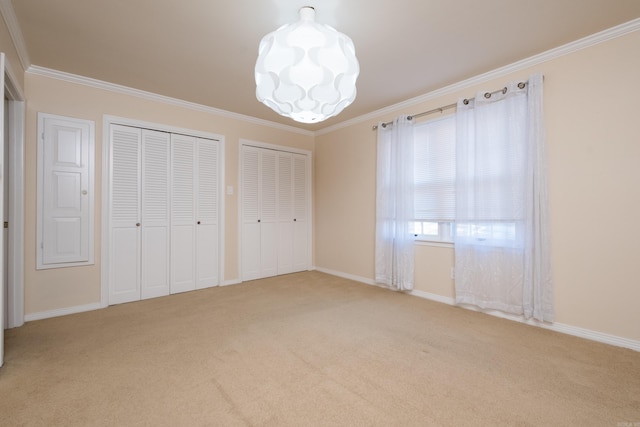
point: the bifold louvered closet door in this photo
(194, 213)
(275, 204)
(162, 187)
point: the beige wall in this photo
(47, 290)
(593, 126)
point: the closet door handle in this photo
(137, 224)
(294, 219)
(258, 220)
(198, 222)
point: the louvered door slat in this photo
(300, 187)
(268, 175)
(155, 177)
(207, 181)
(285, 200)
(182, 154)
(125, 175)
(250, 185)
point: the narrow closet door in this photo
(285, 213)
(268, 213)
(301, 219)
(207, 214)
(183, 149)
(124, 214)
(250, 174)
(64, 185)
(155, 214)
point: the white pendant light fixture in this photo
(306, 70)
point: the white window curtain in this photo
(394, 205)
(502, 257)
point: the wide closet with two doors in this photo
(163, 218)
(275, 213)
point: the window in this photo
(435, 188)
(435, 179)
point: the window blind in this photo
(435, 170)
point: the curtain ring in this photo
(487, 95)
(465, 102)
(504, 90)
(384, 125)
(521, 85)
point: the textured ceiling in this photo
(204, 51)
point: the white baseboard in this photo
(345, 275)
(432, 297)
(558, 327)
(62, 312)
(594, 336)
(88, 307)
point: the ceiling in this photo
(204, 51)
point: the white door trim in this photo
(14, 93)
(107, 121)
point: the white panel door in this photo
(207, 202)
(268, 213)
(124, 214)
(250, 213)
(285, 213)
(183, 233)
(155, 214)
(301, 237)
(65, 191)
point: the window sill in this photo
(438, 244)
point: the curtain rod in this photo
(487, 95)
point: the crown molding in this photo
(112, 87)
(10, 18)
(538, 59)
(7, 11)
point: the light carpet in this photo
(308, 349)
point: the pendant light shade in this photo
(306, 70)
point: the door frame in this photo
(107, 121)
(15, 254)
(15, 241)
